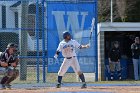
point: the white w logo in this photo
(72, 20)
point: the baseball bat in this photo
(92, 28)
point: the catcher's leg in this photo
(6, 77)
(15, 75)
(10, 71)
(63, 69)
(3, 81)
(76, 67)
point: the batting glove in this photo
(88, 45)
(55, 56)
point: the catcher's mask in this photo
(13, 46)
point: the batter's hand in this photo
(88, 45)
(55, 56)
(85, 46)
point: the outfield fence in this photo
(37, 26)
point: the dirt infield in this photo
(95, 89)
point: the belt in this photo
(69, 57)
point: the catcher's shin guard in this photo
(15, 75)
(10, 80)
(4, 80)
(3, 86)
(8, 86)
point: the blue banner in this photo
(77, 19)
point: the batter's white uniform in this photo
(69, 54)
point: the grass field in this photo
(50, 77)
(69, 77)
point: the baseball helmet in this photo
(12, 45)
(65, 34)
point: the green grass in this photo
(69, 77)
(50, 77)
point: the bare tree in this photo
(104, 10)
(121, 8)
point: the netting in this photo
(31, 25)
(22, 23)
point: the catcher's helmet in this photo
(12, 45)
(65, 34)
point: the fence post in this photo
(96, 38)
(43, 44)
(23, 40)
(37, 39)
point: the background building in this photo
(10, 24)
(125, 33)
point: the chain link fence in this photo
(22, 22)
(25, 23)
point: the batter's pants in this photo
(72, 62)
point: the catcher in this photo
(9, 61)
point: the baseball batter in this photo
(67, 47)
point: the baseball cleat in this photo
(3, 86)
(8, 86)
(58, 85)
(84, 86)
